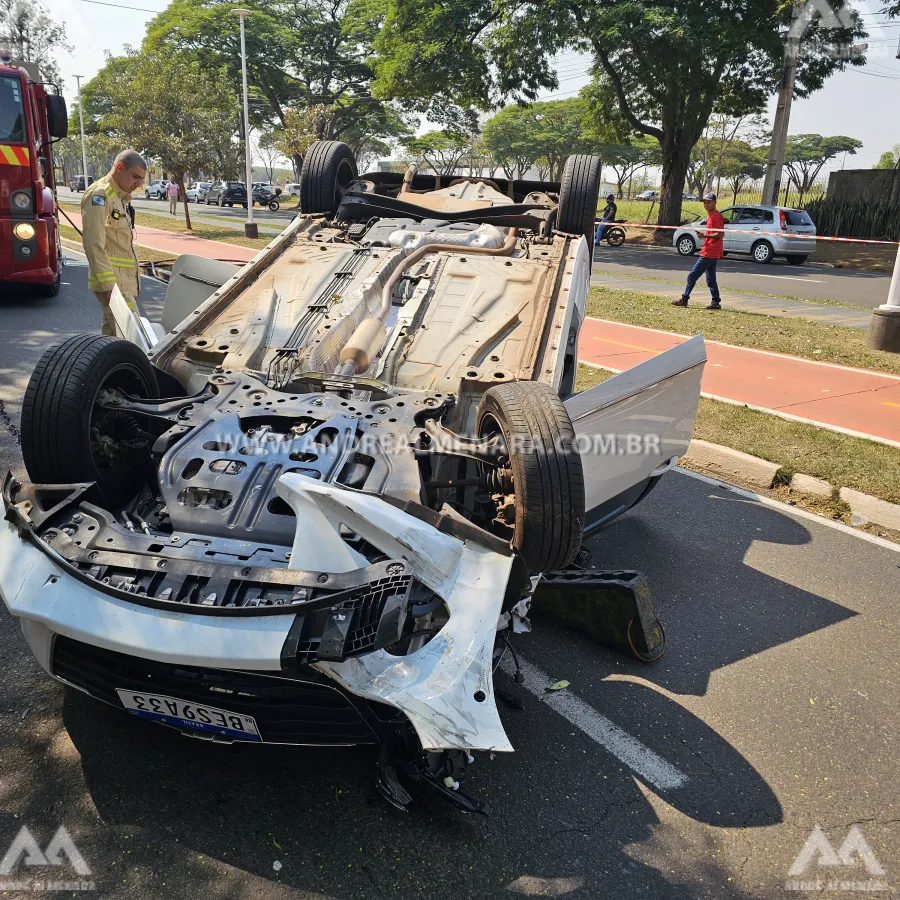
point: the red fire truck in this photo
(30, 120)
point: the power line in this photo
(120, 6)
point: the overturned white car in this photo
(311, 508)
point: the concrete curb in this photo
(725, 462)
(722, 462)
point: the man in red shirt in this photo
(710, 253)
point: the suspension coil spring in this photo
(496, 480)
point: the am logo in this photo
(61, 845)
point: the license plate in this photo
(196, 716)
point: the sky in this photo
(861, 103)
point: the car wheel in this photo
(796, 260)
(762, 252)
(329, 168)
(49, 290)
(66, 437)
(539, 487)
(686, 245)
(578, 194)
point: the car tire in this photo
(146, 195)
(547, 476)
(578, 193)
(329, 168)
(686, 245)
(796, 260)
(762, 252)
(58, 413)
(49, 290)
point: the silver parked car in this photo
(197, 192)
(762, 232)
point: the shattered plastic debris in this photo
(276, 866)
(858, 519)
(559, 686)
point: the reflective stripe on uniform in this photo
(120, 261)
(15, 156)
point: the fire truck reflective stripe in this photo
(15, 156)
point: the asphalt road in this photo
(736, 273)
(775, 706)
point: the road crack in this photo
(9, 425)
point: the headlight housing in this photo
(20, 200)
(24, 231)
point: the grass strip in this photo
(839, 459)
(200, 230)
(794, 336)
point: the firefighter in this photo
(106, 220)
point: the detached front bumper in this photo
(445, 688)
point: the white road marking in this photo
(785, 278)
(652, 768)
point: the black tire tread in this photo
(578, 193)
(56, 405)
(549, 480)
(319, 174)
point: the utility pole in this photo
(81, 123)
(772, 182)
(884, 326)
(250, 228)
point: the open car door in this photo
(633, 428)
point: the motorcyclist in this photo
(608, 215)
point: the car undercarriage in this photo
(313, 506)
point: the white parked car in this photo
(292, 190)
(310, 508)
(762, 232)
(648, 195)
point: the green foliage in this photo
(32, 36)
(662, 68)
(541, 134)
(440, 150)
(166, 109)
(806, 154)
(626, 159)
(864, 219)
(890, 159)
(741, 163)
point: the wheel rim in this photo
(343, 179)
(761, 253)
(108, 429)
(686, 246)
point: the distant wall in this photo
(867, 185)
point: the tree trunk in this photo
(183, 192)
(297, 163)
(676, 155)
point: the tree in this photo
(33, 36)
(710, 150)
(662, 67)
(440, 150)
(806, 154)
(506, 138)
(166, 109)
(741, 163)
(268, 154)
(890, 159)
(626, 159)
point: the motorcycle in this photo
(265, 196)
(613, 234)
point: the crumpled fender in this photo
(446, 687)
